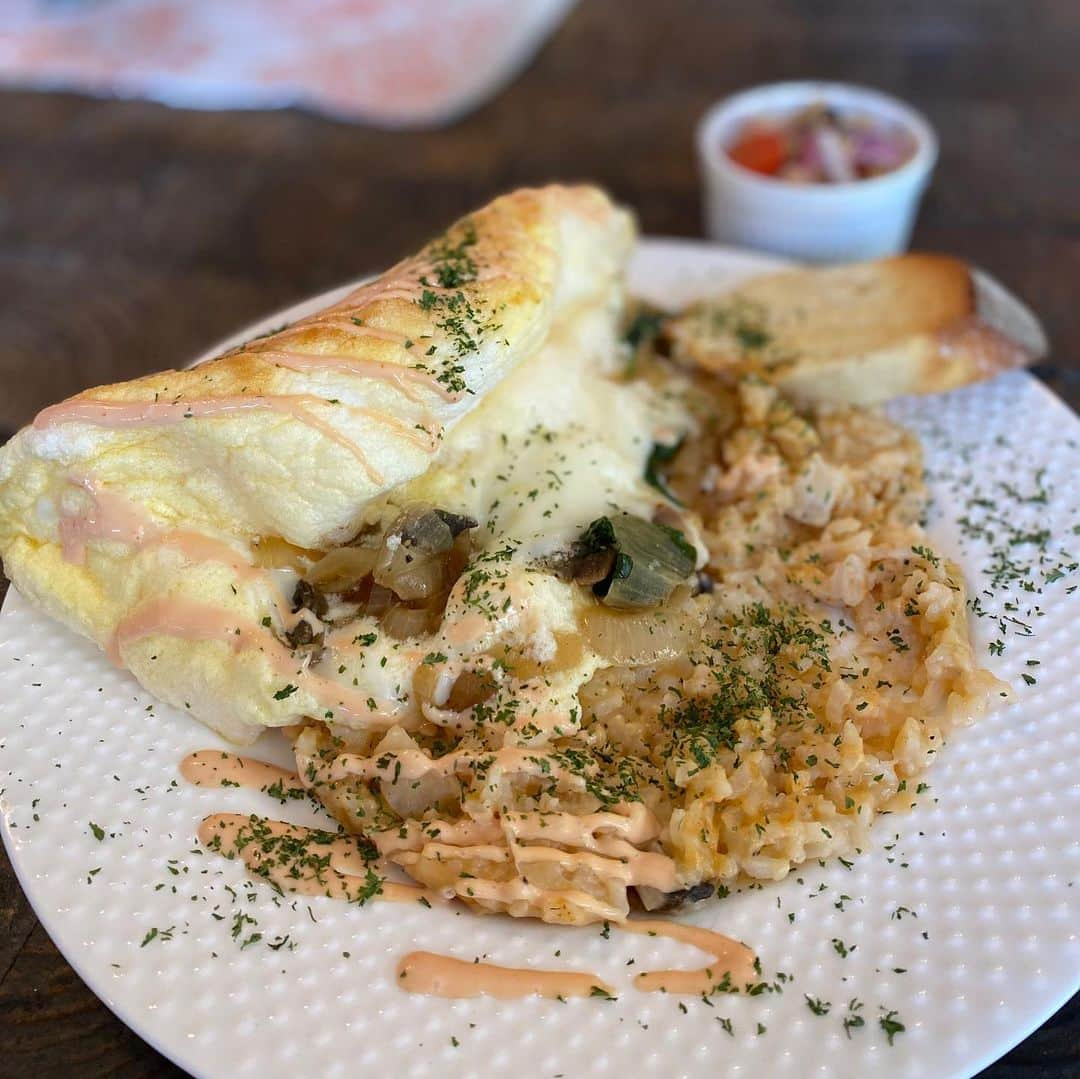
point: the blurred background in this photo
(170, 171)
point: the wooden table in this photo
(131, 236)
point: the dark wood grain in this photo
(132, 236)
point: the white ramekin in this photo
(823, 222)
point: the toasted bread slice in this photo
(862, 333)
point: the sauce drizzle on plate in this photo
(444, 976)
(308, 861)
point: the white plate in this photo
(986, 865)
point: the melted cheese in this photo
(559, 443)
(562, 441)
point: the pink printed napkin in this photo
(394, 63)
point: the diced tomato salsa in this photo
(821, 145)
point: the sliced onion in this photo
(879, 150)
(342, 568)
(402, 622)
(426, 529)
(411, 572)
(636, 638)
(271, 552)
(414, 560)
(651, 898)
(835, 156)
(470, 688)
(379, 600)
(411, 797)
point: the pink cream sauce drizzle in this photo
(104, 413)
(175, 616)
(110, 517)
(216, 768)
(344, 879)
(424, 972)
(405, 379)
(444, 976)
(113, 517)
(402, 282)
